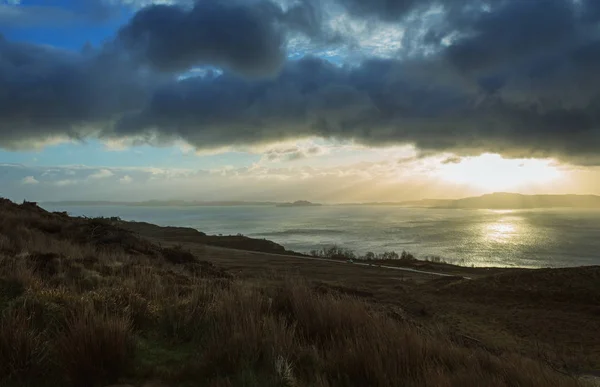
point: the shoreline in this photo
(244, 243)
(427, 256)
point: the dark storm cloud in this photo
(378, 103)
(513, 30)
(245, 37)
(46, 93)
(514, 77)
(241, 37)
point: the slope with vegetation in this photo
(87, 303)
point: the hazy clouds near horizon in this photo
(377, 182)
(513, 77)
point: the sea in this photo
(482, 238)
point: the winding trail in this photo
(375, 265)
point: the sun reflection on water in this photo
(502, 231)
(503, 211)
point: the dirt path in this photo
(355, 263)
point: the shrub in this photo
(47, 309)
(370, 256)
(178, 255)
(389, 255)
(334, 252)
(96, 348)
(435, 259)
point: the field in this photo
(90, 302)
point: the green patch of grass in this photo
(159, 358)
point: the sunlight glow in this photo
(492, 172)
(500, 232)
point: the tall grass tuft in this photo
(96, 348)
(23, 350)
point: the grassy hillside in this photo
(184, 234)
(87, 303)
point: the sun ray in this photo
(493, 172)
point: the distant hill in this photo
(426, 203)
(161, 203)
(501, 200)
(298, 203)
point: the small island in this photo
(299, 203)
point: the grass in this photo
(23, 350)
(86, 303)
(95, 348)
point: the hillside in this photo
(87, 302)
(183, 234)
(162, 203)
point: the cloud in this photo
(380, 180)
(101, 174)
(513, 77)
(292, 152)
(65, 182)
(378, 103)
(48, 94)
(29, 180)
(241, 37)
(125, 179)
(452, 160)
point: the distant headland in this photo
(299, 203)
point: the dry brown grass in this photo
(95, 348)
(84, 311)
(23, 350)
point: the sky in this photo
(323, 100)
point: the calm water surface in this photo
(528, 238)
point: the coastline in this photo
(499, 314)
